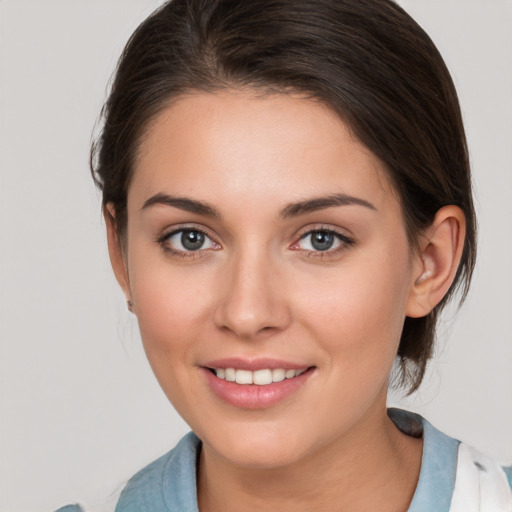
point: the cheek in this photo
(172, 312)
(172, 308)
(357, 313)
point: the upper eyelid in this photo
(343, 239)
(325, 230)
(167, 233)
(342, 233)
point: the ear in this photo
(115, 250)
(437, 261)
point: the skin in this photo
(257, 288)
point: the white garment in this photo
(481, 484)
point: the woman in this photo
(287, 195)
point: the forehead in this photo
(240, 145)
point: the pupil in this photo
(322, 240)
(192, 240)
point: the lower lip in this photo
(252, 396)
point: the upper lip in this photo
(254, 364)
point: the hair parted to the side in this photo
(367, 59)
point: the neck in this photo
(372, 467)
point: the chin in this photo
(257, 446)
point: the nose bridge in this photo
(251, 300)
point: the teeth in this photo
(243, 377)
(262, 377)
(278, 375)
(259, 377)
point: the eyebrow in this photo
(290, 210)
(321, 203)
(183, 203)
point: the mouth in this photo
(262, 377)
(257, 384)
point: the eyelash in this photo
(162, 241)
(345, 243)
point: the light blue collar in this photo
(169, 483)
(438, 463)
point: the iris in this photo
(322, 240)
(192, 240)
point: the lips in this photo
(255, 384)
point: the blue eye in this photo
(322, 240)
(188, 240)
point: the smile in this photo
(255, 384)
(263, 377)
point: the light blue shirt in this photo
(169, 483)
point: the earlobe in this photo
(438, 258)
(115, 250)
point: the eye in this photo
(322, 240)
(188, 240)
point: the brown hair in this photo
(367, 59)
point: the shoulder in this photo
(508, 472)
(481, 480)
(454, 477)
(166, 485)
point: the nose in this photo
(251, 298)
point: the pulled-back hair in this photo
(366, 59)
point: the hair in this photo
(366, 59)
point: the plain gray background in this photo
(80, 411)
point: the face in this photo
(266, 245)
